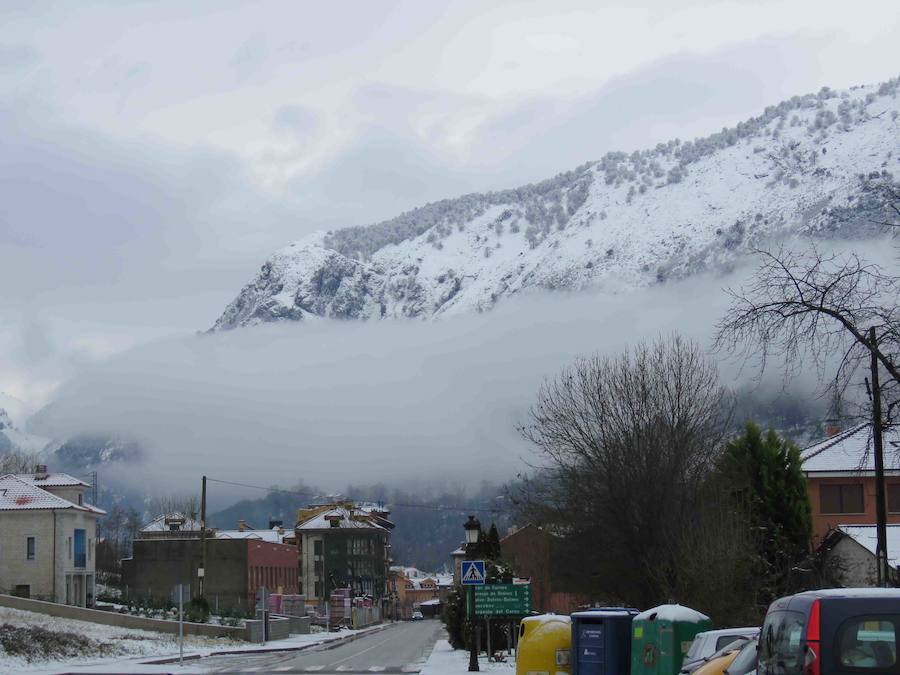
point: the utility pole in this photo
(884, 574)
(201, 573)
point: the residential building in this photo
(343, 545)
(847, 555)
(416, 589)
(840, 475)
(167, 552)
(48, 535)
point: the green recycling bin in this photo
(661, 636)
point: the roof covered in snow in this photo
(19, 495)
(851, 452)
(343, 518)
(867, 537)
(51, 480)
(272, 536)
(162, 523)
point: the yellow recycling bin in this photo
(545, 645)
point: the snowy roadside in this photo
(137, 650)
(445, 660)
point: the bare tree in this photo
(813, 309)
(187, 504)
(626, 444)
(17, 462)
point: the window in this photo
(89, 547)
(80, 554)
(318, 591)
(841, 498)
(29, 548)
(80, 499)
(22, 590)
(317, 547)
(780, 648)
(868, 643)
(893, 497)
(69, 546)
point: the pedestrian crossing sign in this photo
(472, 572)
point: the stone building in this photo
(48, 536)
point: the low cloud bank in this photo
(401, 402)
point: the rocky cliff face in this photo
(815, 165)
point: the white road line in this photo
(313, 669)
(284, 669)
(377, 669)
(343, 669)
(410, 669)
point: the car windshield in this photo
(780, 644)
(745, 661)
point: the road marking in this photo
(344, 669)
(377, 669)
(313, 669)
(411, 669)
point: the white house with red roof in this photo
(48, 536)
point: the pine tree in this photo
(765, 474)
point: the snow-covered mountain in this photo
(815, 164)
(13, 437)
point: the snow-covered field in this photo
(444, 660)
(119, 643)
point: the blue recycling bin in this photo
(601, 641)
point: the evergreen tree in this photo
(764, 474)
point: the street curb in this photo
(326, 644)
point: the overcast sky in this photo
(153, 154)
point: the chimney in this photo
(832, 428)
(242, 525)
(40, 472)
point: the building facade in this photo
(167, 552)
(840, 475)
(343, 546)
(48, 536)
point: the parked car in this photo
(709, 642)
(832, 632)
(745, 661)
(417, 616)
(721, 660)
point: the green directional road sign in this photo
(502, 599)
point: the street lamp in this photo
(473, 532)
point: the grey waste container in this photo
(601, 641)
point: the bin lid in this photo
(673, 613)
(605, 613)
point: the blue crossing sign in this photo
(472, 572)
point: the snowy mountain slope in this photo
(13, 438)
(811, 165)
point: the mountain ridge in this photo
(811, 165)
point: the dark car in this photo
(849, 631)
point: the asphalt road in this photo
(399, 648)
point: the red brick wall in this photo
(275, 566)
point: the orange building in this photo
(840, 474)
(413, 588)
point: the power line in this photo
(432, 507)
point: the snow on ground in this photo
(445, 660)
(128, 642)
(139, 646)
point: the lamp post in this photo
(473, 531)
